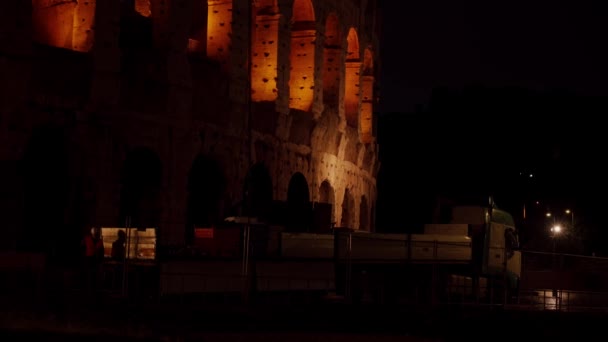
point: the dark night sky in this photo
(491, 89)
(534, 43)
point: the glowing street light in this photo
(556, 229)
(571, 213)
(548, 214)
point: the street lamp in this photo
(556, 230)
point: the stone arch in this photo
(327, 193)
(348, 210)
(206, 186)
(367, 100)
(302, 56)
(352, 78)
(364, 214)
(257, 197)
(141, 185)
(298, 204)
(303, 12)
(352, 45)
(219, 31)
(331, 53)
(324, 209)
(265, 51)
(53, 23)
(46, 184)
(197, 37)
(136, 27)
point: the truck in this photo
(473, 256)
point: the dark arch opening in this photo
(135, 29)
(46, 184)
(348, 210)
(141, 184)
(324, 210)
(298, 204)
(206, 186)
(258, 193)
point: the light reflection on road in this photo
(552, 300)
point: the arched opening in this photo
(53, 23)
(331, 55)
(46, 184)
(265, 48)
(197, 38)
(206, 185)
(219, 31)
(324, 209)
(258, 193)
(364, 214)
(326, 193)
(352, 79)
(367, 100)
(136, 29)
(302, 56)
(298, 204)
(348, 210)
(141, 185)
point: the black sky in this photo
(491, 89)
(538, 44)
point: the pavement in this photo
(70, 315)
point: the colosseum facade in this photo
(179, 113)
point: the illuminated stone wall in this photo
(265, 49)
(68, 72)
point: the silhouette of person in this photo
(118, 246)
(94, 252)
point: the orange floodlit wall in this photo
(352, 79)
(143, 8)
(331, 53)
(53, 22)
(219, 31)
(265, 53)
(367, 100)
(84, 21)
(302, 56)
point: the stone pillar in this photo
(83, 35)
(106, 52)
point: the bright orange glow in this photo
(219, 30)
(351, 92)
(84, 22)
(142, 7)
(352, 79)
(331, 68)
(366, 122)
(264, 59)
(367, 109)
(352, 52)
(53, 24)
(303, 11)
(302, 56)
